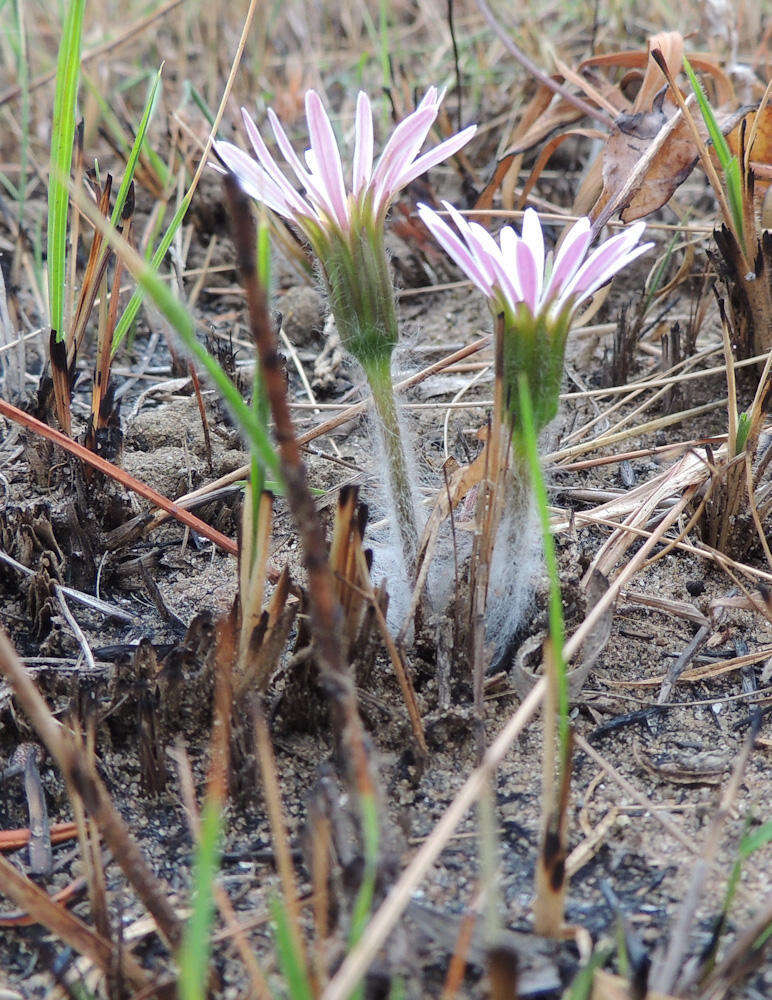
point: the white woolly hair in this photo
(515, 568)
(388, 559)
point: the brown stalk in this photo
(502, 972)
(96, 269)
(551, 883)
(457, 966)
(82, 776)
(18, 416)
(61, 376)
(325, 612)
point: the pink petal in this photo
(327, 156)
(478, 249)
(618, 265)
(534, 240)
(314, 191)
(509, 240)
(527, 274)
(270, 166)
(443, 151)
(597, 264)
(569, 256)
(363, 144)
(399, 152)
(255, 180)
(454, 247)
(431, 99)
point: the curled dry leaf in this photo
(676, 157)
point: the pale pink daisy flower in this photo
(325, 200)
(533, 296)
(516, 269)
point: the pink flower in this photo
(514, 271)
(324, 200)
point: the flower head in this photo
(325, 201)
(534, 297)
(515, 270)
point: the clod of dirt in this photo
(302, 309)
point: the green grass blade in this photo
(716, 135)
(292, 966)
(20, 49)
(734, 187)
(62, 139)
(581, 987)
(136, 149)
(130, 312)
(179, 317)
(527, 437)
(260, 405)
(196, 946)
(729, 164)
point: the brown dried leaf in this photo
(632, 138)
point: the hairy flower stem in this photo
(379, 376)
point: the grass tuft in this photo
(62, 140)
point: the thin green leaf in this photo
(753, 842)
(743, 428)
(527, 438)
(734, 188)
(259, 395)
(729, 164)
(136, 149)
(62, 139)
(196, 946)
(176, 313)
(292, 966)
(581, 987)
(130, 312)
(716, 135)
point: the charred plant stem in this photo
(326, 614)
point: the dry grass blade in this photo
(385, 918)
(665, 977)
(67, 927)
(326, 613)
